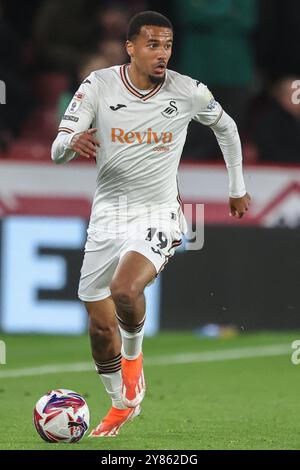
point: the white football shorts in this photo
(157, 241)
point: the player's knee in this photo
(100, 332)
(124, 294)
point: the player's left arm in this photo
(210, 113)
(226, 132)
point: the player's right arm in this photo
(75, 138)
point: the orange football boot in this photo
(114, 420)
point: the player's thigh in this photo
(157, 242)
(145, 254)
(101, 256)
(133, 273)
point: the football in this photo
(61, 416)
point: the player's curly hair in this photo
(146, 18)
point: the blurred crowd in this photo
(244, 50)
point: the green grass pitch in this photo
(205, 395)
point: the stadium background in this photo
(241, 289)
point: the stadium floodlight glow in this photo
(2, 92)
(2, 352)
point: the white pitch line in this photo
(188, 358)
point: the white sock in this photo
(131, 343)
(113, 383)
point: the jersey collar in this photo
(134, 91)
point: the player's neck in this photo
(141, 82)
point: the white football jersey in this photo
(142, 134)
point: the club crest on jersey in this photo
(170, 111)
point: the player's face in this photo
(151, 50)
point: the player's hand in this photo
(85, 143)
(239, 205)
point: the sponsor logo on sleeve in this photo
(78, 95)
(212, 104)
(66, 117)
(76, 102)
(74, 106)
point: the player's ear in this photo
(129, 48)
